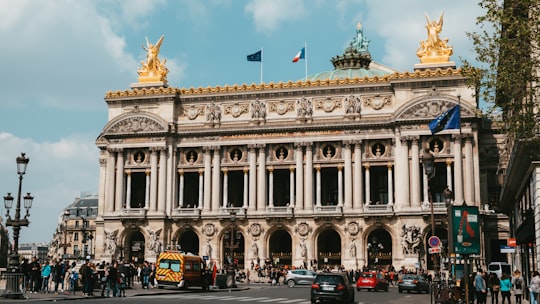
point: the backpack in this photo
(518, 283)
(74, 276)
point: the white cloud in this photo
(56, 175)
(268, 15)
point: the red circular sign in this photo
(434, 241)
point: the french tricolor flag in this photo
(300, 55)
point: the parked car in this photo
(332, 287)
(299, 277)
(372, 281)
(412, 282)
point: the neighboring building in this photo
(74, 236)
(39, 250)
(4, 244)
(520, 197)
(321, 172)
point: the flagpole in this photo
(460, 141)
(261, 64)
(305, 57)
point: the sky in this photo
(60, 57)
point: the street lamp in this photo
(231, 245)
(14, 272)
(375, 247)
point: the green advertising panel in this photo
(465, 230)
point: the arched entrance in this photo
(280, 245)
(189, 242)
(135, 248)
(329, 249)
(379, 249)
(233, 245)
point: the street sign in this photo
(434, 241)
(434, 250)
(511, 242)
(507, 249)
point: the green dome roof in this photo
(354, 63)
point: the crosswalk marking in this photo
(292, 301)
(255, 299)
(273, 300)
(228, 298)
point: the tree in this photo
(507, 45)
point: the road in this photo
(258, 294)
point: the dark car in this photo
(332, 288)
(372, 281)
(300, 277)
(412, 282)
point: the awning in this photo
(525, 231)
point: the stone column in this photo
(252, 178)
(340, 184)
(109, 197)
(415, 172)
(246, 187)
(468, 179)
(271, 186)
(308, 193)
(216, 178)
(368, 183)
(207, 186)
(299, 157)
(162, 182)
(128, 189)
(449, 174)
(225, 187)
(402, 174)
(181, 189)
(291, 186)
(358, 190)
(153, 179)
(119, 199)
(201, 202)
(458, 169)
(390, 185)
(261, 179)
(147, 190)
(102, 184)
(318, 185)
(347, 155)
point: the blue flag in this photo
(450, 119)
(257, 56)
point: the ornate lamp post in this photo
(231, 245)
(375, 247)
(14, 272)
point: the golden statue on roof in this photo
(435, 49)
(153, 70)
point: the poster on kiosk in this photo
(465, 230)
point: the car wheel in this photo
(359, 289)
(399, 290)
(291, 283)
(313, 301)
(386, 288)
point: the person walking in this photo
(535, 287)
(105, 280)
(35, 271)
(517, 286)
(45, 275)
(145, 274)
(494, 285)
(480, 287)
(506, 286)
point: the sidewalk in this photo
(131, 292)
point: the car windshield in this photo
(367, 275)
(329, 279)
(411, 277)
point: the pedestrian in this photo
(535, 287)
(113, 279)
(35, 271)
(517, 286)
(506, 286)
(494, 285)
(73, 281)
(105, 280)
(25, 269)
(59, 271)
(45, 275)
(480, 287)
(145, 274)
(122, 285)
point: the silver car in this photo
(300, 277)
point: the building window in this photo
(76, 236)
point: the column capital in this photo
(292, 168)
(317, 167)
(449, 162)
(201, 171)
(367, 166)
(389, 165)
(128, 172)
(181, 171)
(246, 170)
(252, 147)
(225, 170)
(270, 169)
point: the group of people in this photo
(507, 285)
(61, 276)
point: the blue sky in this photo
(60, 57)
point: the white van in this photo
(499, 268)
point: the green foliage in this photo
(507, 47)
